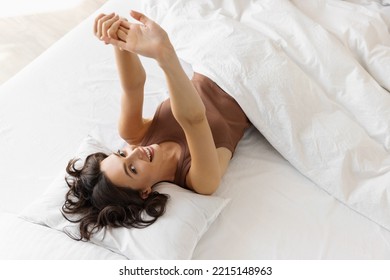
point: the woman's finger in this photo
(141, 17)
(113, 30)
(125, 30)
(107, 25)
(95, 26)
(100, 24)
(125, 24)
(122, 35)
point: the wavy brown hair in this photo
(96, 203)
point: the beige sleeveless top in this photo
(226, 119)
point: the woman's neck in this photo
(172, 153)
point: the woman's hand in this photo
(106, 27)
(146, 38)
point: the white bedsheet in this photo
(275, 212)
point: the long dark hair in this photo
(96, 203)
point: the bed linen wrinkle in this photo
(314, 41)
(363, 32)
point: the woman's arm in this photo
(205, 173)
(150, 40)
(131, 126)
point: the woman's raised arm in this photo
(132, 126)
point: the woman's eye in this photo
(122, 154)
(133, 169)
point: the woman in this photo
(189, 142)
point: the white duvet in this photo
(320, 102)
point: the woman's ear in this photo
(145, 193)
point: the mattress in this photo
(72, 90)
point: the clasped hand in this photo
(146, 38)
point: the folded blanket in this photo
(299, 85)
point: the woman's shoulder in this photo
(200, 78)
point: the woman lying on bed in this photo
(189, 142)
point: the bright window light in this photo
(11, 8)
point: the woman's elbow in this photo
(209, 187)
(190, 116)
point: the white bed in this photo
(274, 209)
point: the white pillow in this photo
(173, 236)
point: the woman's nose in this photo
(132, 153)
(129, 150)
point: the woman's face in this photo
(134, 167)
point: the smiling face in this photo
(138, 168)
